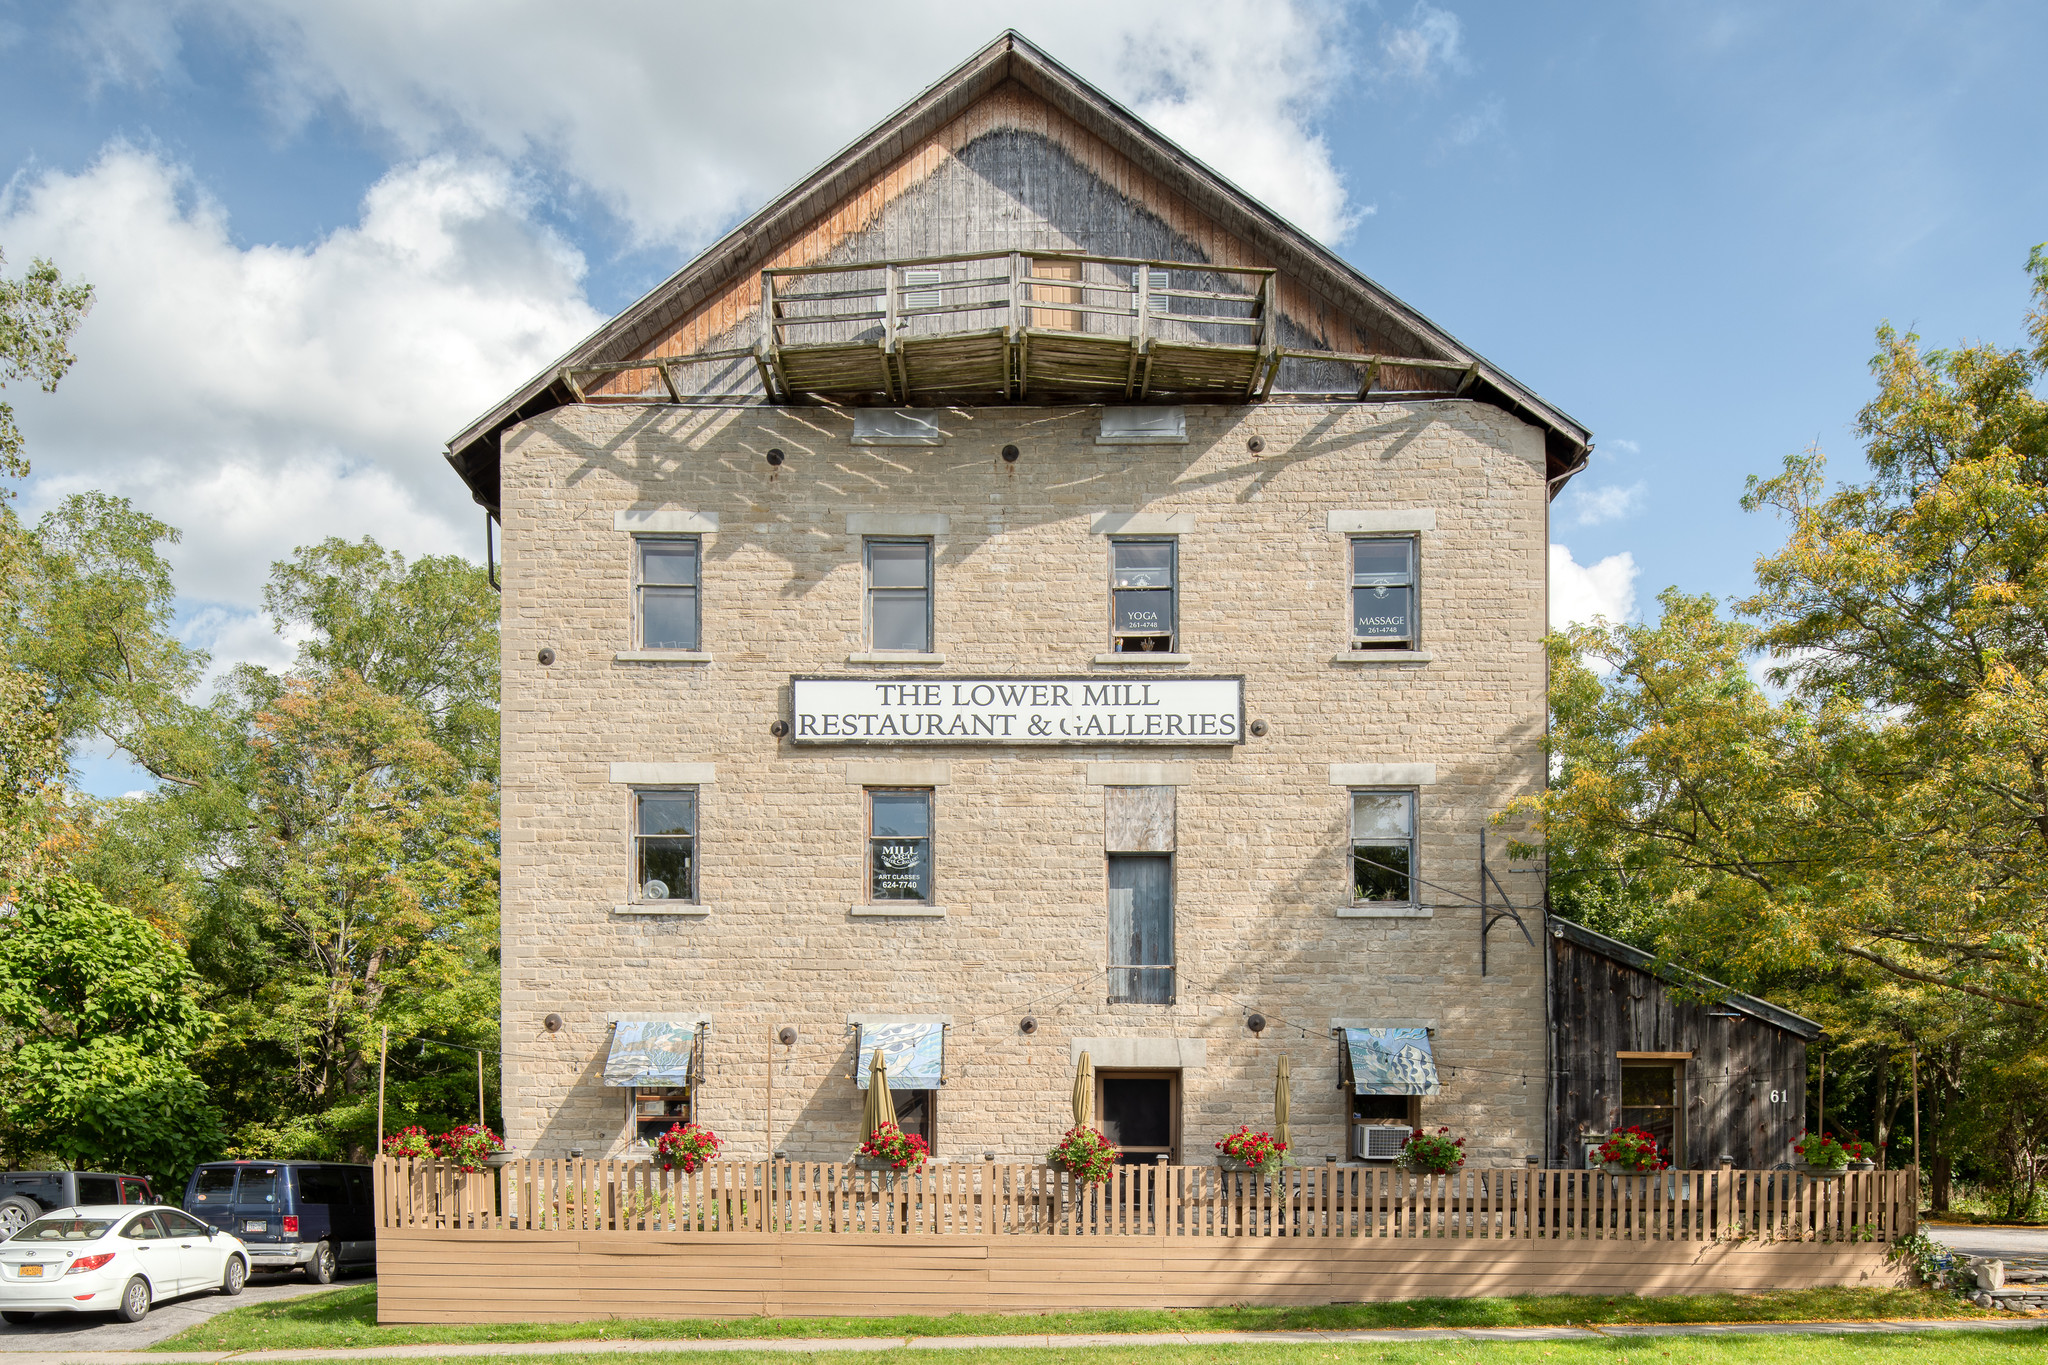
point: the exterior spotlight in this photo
(1255, 1022)
(786, 1036)
(1010, 454)
(553, 1023)
(546, 656)
(1258, 728)
(775, 457)
(779, 728)
(1027, 1026)
(1255, 444)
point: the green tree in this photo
(100, 1015)
(38, 314)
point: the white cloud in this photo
(681, 117)
(1580, 592)
(1432, 40)
(1593, 504)
(261, 398)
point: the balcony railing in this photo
(1012, 327)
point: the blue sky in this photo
(323, 239)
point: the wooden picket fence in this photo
(819, 1199)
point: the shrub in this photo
(1085, 1155)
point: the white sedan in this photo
(114, 1258)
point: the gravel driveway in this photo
(105, 1332)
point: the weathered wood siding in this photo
(1745, 1083)
(1009, 173)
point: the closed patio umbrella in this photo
(880, 1108)
(1282, 1098)
(1084, 1092)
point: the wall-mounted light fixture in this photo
(1255, 444)
(553, 1023)
(1010, 454)
(775, 457)
(1258, 729)
(779, 728)
(1255, 1022)
(786, 1036)
(546, 656)
(1027, 1026)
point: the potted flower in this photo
(1245, 1150)
(468, 1148)
(1084, 1154)
(889, 1148)
(1435, 1153)
(410, 1143)
(1825, 1157)
(685, 1147)
(1632, 1151)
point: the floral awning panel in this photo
(914, 1053)
(1389, 1061)
(654, 1053)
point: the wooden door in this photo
(1054, 319)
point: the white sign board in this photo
(1068, 710)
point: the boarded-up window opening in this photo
(1141, 929)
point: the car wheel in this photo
(234, 1277)
(15, 1214)
(17, 1318)
(320, 1270)
(134, 1301)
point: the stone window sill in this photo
(682, 909)
(1386, 912)
(661, 656)
(892, 658)
(1137, 660)
(1383, 656)
(897, 910)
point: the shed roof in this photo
(1616, 951)
(1010, 58)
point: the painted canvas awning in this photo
(1388, 1061)
(652, 1053)
(913, 1050)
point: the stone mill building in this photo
(1013, 596)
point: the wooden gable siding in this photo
(1601, 1008)
(1009, 172)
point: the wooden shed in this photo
(1714, 1076)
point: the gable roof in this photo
(1010, 58)
(1614, 950)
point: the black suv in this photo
(319, 1216)
(27, 1195)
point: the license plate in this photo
(31, 1272)
(255, 1225)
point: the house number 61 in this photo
(1777, 1097)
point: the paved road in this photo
(2028, 1245)
(104, 1332)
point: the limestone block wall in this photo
(1021, 588)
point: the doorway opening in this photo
(1140, 1113)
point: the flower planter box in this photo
(878, 1163)
(496, 1159)
(1825, 1172)
(1231, 1163)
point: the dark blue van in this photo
(318, 1216)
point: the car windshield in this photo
(63, 1230)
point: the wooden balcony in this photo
(1013, 327)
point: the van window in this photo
(360, 1186)
(319, 1185)
(259, 1185)
(216, 1183)
(96, 1189)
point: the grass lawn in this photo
(348, 1317)
(1929, 1348)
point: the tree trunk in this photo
(1938, 1182)
(1881, 1121)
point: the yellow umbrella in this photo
(881, 1107)
(1282, 1086)
(1084, 1092)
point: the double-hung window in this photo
(900, 844)
(1383, 847)
(665, 592)
(900, 596)
(1142, 589)
(1383, 592)
(665, 844)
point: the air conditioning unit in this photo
(1377, 1142)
